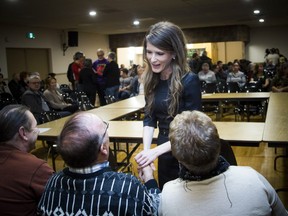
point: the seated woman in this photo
(259, 79)
(55, 99)
(280, 81)
(207, 183)
(125, 84)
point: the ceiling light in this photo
(92, 13)
(256, 11)
(136, 22)
(261, 20)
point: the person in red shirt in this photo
(77, 66)
(23, 175)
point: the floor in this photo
(260, 158)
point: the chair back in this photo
(49, 116)
(210, 88)
(233, 87)
(6, 99)
(222, 87)
(84, 101)
(65, 88)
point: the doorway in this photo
(28, 59)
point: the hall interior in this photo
(260, 158)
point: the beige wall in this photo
(15, 37)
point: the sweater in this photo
(103, 192)
(22, 182)
(237, 191)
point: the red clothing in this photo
(22, 182)
(76, 68)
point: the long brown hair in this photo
(168, 37)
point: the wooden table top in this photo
(230, 131)
(52, 129)
(112, 113)
(250, 96)
(236, 132)
(276, 127)
(132, 102)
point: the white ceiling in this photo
(116, 16)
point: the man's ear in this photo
(104, 150)
(23, 133)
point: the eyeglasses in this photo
(35, 130)
(107, 125)
(35, 83)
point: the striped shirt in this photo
(103, 192)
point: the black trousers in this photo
(168, 166)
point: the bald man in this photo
(88, 185)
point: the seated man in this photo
(34, 99)
(23, 176)
(236, 76)
(88, 186)
(206, 74)
(207, 184)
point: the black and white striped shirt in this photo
(103, 192)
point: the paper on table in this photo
(42, 130)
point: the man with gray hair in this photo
(23, 176)
(88, 186)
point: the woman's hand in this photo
(146, 157)
(146, 173)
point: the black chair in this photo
(47, 117)
(210, 107)
(202, 84)
(233, 87)
(65, 88)
(6, 99)
(210, 88)
(222, 87)
(227, 152)
(84, 101)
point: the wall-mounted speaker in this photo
(72, 38)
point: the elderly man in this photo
(88, 186)
(36, 101)
(99, 66)
(33, 97)
(207, 184)
(23, 176)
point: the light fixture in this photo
(256, 11)
(92, 13)
(261, 20)
(136, 22)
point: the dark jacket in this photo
(111, 74)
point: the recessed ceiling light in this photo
(256, 11)
(92, 13)
(136, 22)
(261, 20)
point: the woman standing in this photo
(169, 89)
(87, 81)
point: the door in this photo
(28, 59)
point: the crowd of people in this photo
(104, 77)
(195, 174)
(269, 75)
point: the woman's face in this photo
(260, 68)
(236, 67)
(53, 84)
(159, 60)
